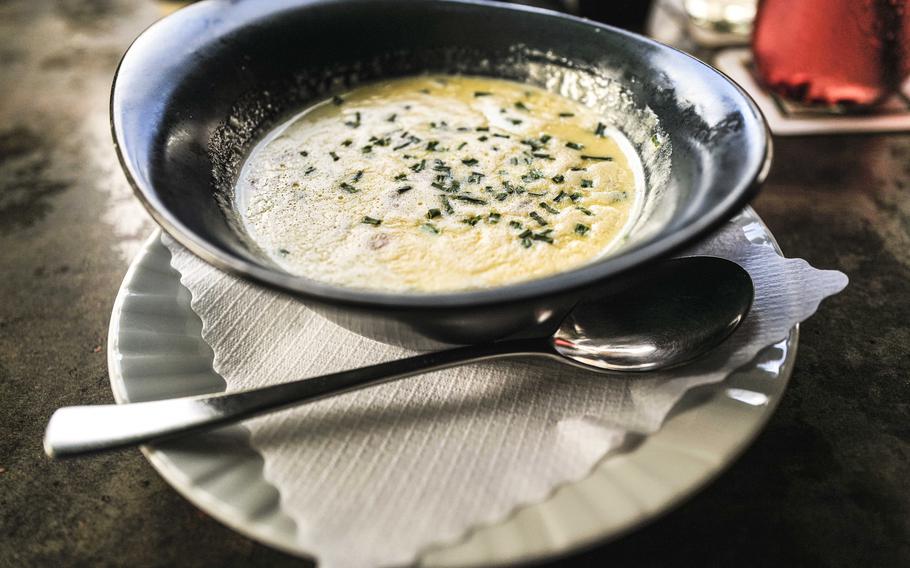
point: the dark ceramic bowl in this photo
(197, 89)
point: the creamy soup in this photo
(439, 183)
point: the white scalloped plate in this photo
(155, 351)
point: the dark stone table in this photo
(827, 483)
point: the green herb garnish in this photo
(354, 123)
(540, 220)
(418, 167)
(574, 145)
(401, 177)
(521, 106)
(469, 162)
(585, 211)
(582, 229)
(548, 208)
(587, 183)
(600, 130)
(597, 158)
(472, 220)
(334, 156)
(559, 178)
(462, 145)
(515, 224)
(430, 228)
(304, 153)
(356, 177)
(469, 199)
(493, 218)
(560, 196)
(433, 213)
(309, 170)
(371, 221)
(348, 187)
(366, 149)
(446, 205)
(404, 189)
(432, 145)
(482, 93)
(566, 114)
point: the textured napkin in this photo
(374, 477)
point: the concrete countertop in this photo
(825, 484)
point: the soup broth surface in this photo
(439, 183)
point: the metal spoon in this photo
(687, 307)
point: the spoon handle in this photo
(77, 430)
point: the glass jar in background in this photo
(848, 54)
(714, 23)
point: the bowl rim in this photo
(565, 282)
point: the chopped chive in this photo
(498, 135)
(462, 145)
(482, 129)
(521, 106)
(469, 199)
(597, 158)
(655, 141)
(401, 177)
(540, 220)
(404, 188)
(560, 196)
(543, 236)
(545, 138)
(526, 242)
(525, 234)
(463, 129)
(578, 169)
(304, 153)
(366, 149)
(472, 220)
(469, 162)
(309, 170)
(433, 213)
(356, 177)
(493, 218)
(501, 196)
(430, 228)
(371, 221)
(347, 143)
(354, 123)
(515, 224)
(403, 145)
(475, 177)
(601, 129)
(566, 114)
(348, 187)
(482, 93)
(576, 196)
(284, 252)
(418, 167)
(446, 205)
(574, 145)
(542, 156)
(391, 117)
(558, 178)
(587, 183)
(337, 101)
(585, 211)
(432, 144)
(483, 138)
(548, 208)
(334, 156)
(582, 229)
(516, 121)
